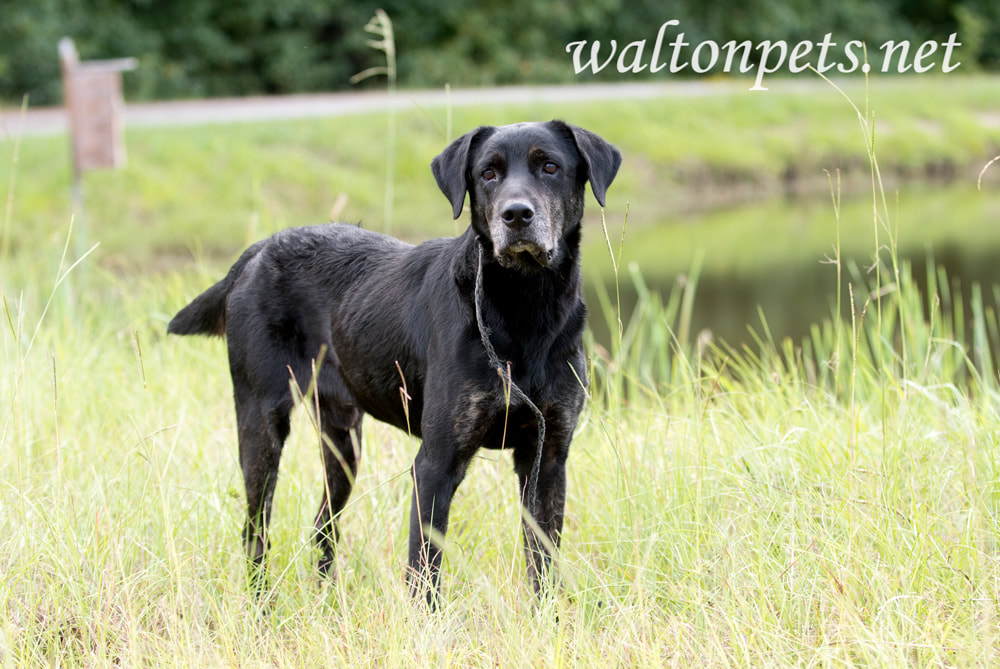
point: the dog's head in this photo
(526, 186)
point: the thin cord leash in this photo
(484, 334)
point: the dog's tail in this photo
(206, 314)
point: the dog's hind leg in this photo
(262, 429)
(340, 450)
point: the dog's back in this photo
(336, 296)
(322, 254)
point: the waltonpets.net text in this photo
(772, 56)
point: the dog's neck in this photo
(546, 307)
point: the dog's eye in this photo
(550, 168)
(489, 174)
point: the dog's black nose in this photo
(518, 215)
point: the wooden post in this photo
(95, 106)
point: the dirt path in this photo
(52, 120)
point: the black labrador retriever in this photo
(469, 342)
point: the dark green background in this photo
(201, 48)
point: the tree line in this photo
(206, 48)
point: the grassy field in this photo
(827, 502)
(208, 190)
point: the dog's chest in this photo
(492, 416)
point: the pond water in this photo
(773, 256)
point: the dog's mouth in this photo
(525, 255)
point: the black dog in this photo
(371, 314)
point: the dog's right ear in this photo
(451, 168)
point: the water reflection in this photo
(774, 257)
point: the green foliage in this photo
(187, 48)
(192, 48)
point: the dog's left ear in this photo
(602, 159)
(451, 167)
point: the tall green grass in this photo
(831, 501)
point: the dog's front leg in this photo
(541, 532)
(437, 471)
